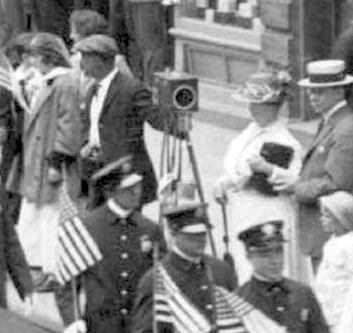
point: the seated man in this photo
(187, 274)
(289, 303)
(126, 239)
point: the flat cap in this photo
(118, 173)
(100, 44)
(263, 237)
(187, 218)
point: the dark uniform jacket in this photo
(126, 107)
(327, 167)
(12, 261)
(192, 279)
(289, 303)
(127, 248)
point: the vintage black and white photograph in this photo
(176, 166)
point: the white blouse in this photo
(335, 276)
(249, 143)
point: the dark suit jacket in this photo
(193, 281)
(126, 107)
(127, 249)
(291, 304)
(12, 261)
(327, 167)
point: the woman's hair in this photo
(88, 22)
(52, 48)
(18, 47)
(51, 57)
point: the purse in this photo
(274, 153)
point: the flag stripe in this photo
(77, 249)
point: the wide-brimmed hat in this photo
(263, 87)
(326, 73)
(340, 204)
(52, 42)
(117, 173)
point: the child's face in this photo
(330, 223)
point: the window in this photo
(231, 12)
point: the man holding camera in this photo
(117, 108)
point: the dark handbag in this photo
(274, 153)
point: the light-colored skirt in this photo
(37, 231)
(248, 208)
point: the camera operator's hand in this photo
(220, 190)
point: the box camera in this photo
(174, 91)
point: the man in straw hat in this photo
(327, 166)
(289, 303)
(125, 239)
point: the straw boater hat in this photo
(326, 73)
(263, 87)
(340, 204)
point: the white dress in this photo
(335, 277)
(250, 207)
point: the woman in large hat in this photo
(263, 153)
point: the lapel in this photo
(114, 87)
(328, 127)
(43, 96)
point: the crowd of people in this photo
(76, 120)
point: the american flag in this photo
(233, 314)
(77, 250)
(171, 306)
(6, 73)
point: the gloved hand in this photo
(54, 175)
(78, 326)
(220, 190)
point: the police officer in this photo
(126, 239)
(289, 303)
(193, 272)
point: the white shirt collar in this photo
(261, 278)
(334, 109)
(105, 82)
(116, 209)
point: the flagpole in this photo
(155, 267)
(75, 299)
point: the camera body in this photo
(175, 92)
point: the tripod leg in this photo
(196, 173)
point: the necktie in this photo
(320, 126)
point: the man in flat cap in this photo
(289, 303)
(327, 166)
(191, 272)
(116, 111)
(126, 240)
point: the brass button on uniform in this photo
(124, 274)
(204, 287)
(209, 307)
(123, 237)
(123, 311)
(124, 255)
(123, 292)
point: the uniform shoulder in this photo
(98, 215)
(144, 221)
(297, 287)
(217, 264)
(345, 125)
